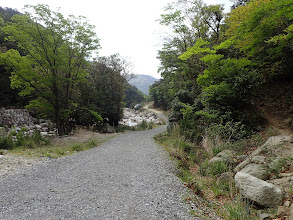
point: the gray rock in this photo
(225, 156)
(258, 159)
(38, 127)
(44, 124)
(44, 133)
(265, 216)
(256, 170)
(283, 211)
(226, 177)
(262, 193)
(109, 129)
(271, 143)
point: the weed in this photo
(77, 147)
(6, 143)
(238, 210)
(217, 168)
(91, 143)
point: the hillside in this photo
(142, 82)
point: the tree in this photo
(133, 96)
(104, 92)
(56, 50)
(8, 96)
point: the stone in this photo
(265, 216)
(44, 124)
(262, 193)
(38, 127)
(256, 170)
(109, 129)
(285, 174)
(226, 177)
(291, 212)
(44, 133)
(271, 143)
(283, 211)
(258, 159)
(225, 156)
(287, 203)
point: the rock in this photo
(225, 156)
(44, 124)
(258, 159)
(137, 106)
(38, 127)
(291, 212)
(42, 121)
(265, 216)
(285, 174)
(256, 170)
(287, 203)
(226, 177)
(271, 143)
(44, 133)
(283, 211)
(262, 193)
(109, 129)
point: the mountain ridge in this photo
(142, 82)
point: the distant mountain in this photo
(142, 82)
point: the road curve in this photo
(129, 177)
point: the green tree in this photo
(8, 96)
(133, 96)
(57, 48)
(104, 92)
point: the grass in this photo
(203, 178)
(42, 147)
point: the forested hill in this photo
(216, 67)
(142, 82)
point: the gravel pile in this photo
(129, 177)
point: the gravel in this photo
(129, 177)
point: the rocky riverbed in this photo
(134, 117)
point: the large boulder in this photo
(256, 170)
(262, 193)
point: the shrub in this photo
(6, 143)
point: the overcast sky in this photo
(127, 27)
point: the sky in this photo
(127, 27)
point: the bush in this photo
(6, 143)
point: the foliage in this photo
(56, 50)
(221, 62)
(8, 96)
(133, 96)
(104, 90)
(238, 211)
(6, 143)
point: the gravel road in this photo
(129, 177)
